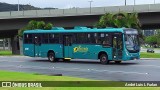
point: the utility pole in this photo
(90, 2)
(125, 2)
(18, 5)
(154, 1)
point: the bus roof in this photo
(76, 30)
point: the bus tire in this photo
(104, 59)
(51, 57)
(117, 62)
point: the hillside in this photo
(14, 7)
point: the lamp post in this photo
(18, 5)
(90, 2)
(154, 1)
(125, 2)
(134, 2)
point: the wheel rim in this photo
(104, 59)
(51, 58)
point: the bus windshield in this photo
(132, 42)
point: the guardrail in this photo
(80, 11)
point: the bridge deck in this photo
(80, 11)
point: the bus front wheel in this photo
(51, 57)
(104, 59)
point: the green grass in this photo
(17, 76)
(149, 55)
(4, 53)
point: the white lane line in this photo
(120, 72)
(99, 70)
(74, 69)
(11, 61)
(148, 66)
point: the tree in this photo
(48, 26)
(119, 20)
(105, 21)
(40, 25)
(158, 41)
(151, 40)
(32, 25)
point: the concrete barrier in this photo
(84, 11)
(129, 8)
(70, 11)
(5, 14)
(154, 7)
(43, 12)
(98, 10)
(142, 8)
(17, 13)
(114, 9)
(30, 13)
(57, 12)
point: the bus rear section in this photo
(42, 44)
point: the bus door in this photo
(67, 46)
(117, 46)
(37, 44)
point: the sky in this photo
(62, 4)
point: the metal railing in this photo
(80, 11)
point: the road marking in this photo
(120, 72)
(11, 61)
(73, 69)
(148, 66)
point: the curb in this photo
(149, 58)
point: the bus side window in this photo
(120, 43)
(81, 38)
(37, 39)
(28, 38)
(114, 42)
(45, 38)
(60, 38)
(106, 39)
(74, 39)
(54, 38)
(97, 38)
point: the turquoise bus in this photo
(108, 44)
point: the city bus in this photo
(107, 44)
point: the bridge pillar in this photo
(21, 46)
(9, 44)
(15, 46)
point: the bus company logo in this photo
(21, 84)
(80, 49)
(6, 84)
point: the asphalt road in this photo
(137, 70)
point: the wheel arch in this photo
(49, 51)
(102, 52)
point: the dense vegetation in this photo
(120, 20)
(153, 40)
(32, 25)
(13, 7)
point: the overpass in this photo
(11, 21)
